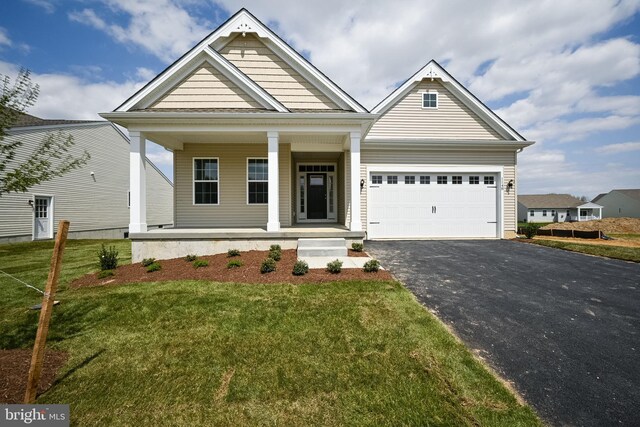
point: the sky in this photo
(565, 74)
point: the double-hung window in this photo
(257, 181)
(205, 181)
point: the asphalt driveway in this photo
(563, 327)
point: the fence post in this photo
(45, 314)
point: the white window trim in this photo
(51, 198)
(261, 180)
(193, 181)
(428, 92)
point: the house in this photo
(93, 198)
(620, 203)
(267, 149)
(556, 208)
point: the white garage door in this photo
(423, 205)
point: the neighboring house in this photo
(93, 198)
(267, 149)
(556, 208)
(620, 203)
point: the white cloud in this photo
(622, 147)
(47, 6)
(145, 74)
(4, 38)
(160, 157)
(161, 27)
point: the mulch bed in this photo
(217, 271)
(14, 370)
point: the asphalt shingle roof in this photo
(558, 201)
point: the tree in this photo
(50, 159)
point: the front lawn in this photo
(616, 252)
(203, 353)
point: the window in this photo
(531, 213)
(456, 179)
(489, 180)
(205, 181)
(442, 179)
(392, 179)
(474, 180)
(376, 179)
(553, 212)
(583, 213)
(409, 179)
(425, 179)
(544, 212)
(257, 181)
(316, 168)
(430, 100)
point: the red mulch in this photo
(14, 371)
(217, 271)
(357, 254)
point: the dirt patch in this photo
(217, 271)
(596, 242)
(357, 254)
(606, 225)
(14, 370)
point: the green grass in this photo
(629, 236)
(200, 353)
(616, 252)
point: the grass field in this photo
(616, 252)
(201, 353)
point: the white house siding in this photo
(274, 75)
(553, 214)
(206, 88)
(617, 205)
(233, 209)
(451, 120)
(89, 204)
(418, 158)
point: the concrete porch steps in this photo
(327, 247)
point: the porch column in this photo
(579, 215)
(356, 224)
(137, 183)
(273, 223)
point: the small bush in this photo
(154, 266)
(191, 257)
(268, 265)
(300, 268)
(147, 262)
(275, 248)
(371, 266)
(334, 266)
(108, 257)
(234, 263)
(357, 247)
(530, 230)
(275, 255)
(105, 273)
(200, 263)
(233, 252)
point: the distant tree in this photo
(51, 157)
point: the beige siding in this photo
(506, 159)
(342, 214)
(206, 88)
(88, 203)
(451, 120)
(274, 75)
(233, 209)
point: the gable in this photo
(273, 74)
(206, 88)
(451, 120)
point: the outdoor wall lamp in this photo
(510, 184)
(361, 184)
(30, 203)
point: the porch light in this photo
(361, 184)
(510, 184)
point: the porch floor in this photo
(251, 233)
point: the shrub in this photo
(191, 257)
(371, 266)
(108, 257)
(105, 273)
(357, 247)
(233, 252)
(234, 263)
(334, 266)
(275, 254)
(275, 248)
(530, 230)
(300, 268)
(200, 263)
(154, 266)
(147, 262)
(268, 265)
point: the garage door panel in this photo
(420, 210)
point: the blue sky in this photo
(564, 74)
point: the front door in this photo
(43, 218)
(317, 202)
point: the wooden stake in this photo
(45, 313)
